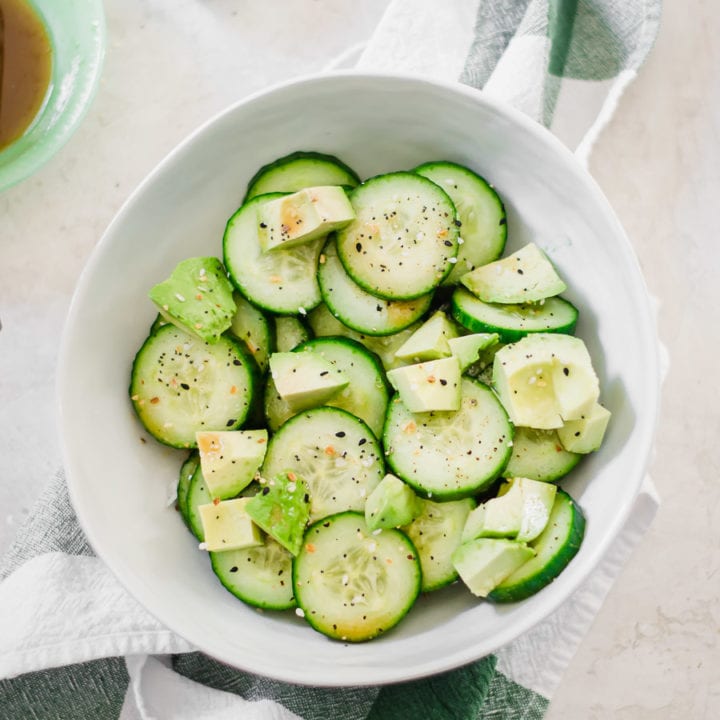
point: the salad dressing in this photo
(25, 68)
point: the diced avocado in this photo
(466, 348)
(525, 276)
(537, 501)
(433, 385)
(282, 508)
(197, 297)
(305, 379)
(227, 525)
(391, 504)
(499, 517)
(429, 341)
(545, 379)
(485, 562)
(303, 216)
(586, 434)
(230, 459)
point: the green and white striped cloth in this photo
(73, 645)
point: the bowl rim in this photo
(649, 339)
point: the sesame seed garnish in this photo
(180, 297)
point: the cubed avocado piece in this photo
(537, 502)
(305, 379)
(525, 276)
(466, 348)
(391, 504)
(429, 341)
(545, 379)
(433, 385)
(484, 563)
(230, 459)
(282, 508)
(498, 517)
(303, 216)
(197, 297)
(586, 434)
(228, 526)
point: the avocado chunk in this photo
(428, 386)
(282, 508)
(227, 525)
(545, 379)
(484, 563)
(305, 379)
(537, 502)
(525, 276)
(429, 341)
(303, 216)
(585, 434)
(197, 297)
(391, 504)
(466, 348)
(230, 459)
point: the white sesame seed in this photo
(372, 547)
(202, 546)
(291, 487)
(532, 380)
(180, 297)
(302, 311)
(299, 612)
(460, 241)
(452, 261)
(377, 532)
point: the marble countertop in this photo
(653, 649)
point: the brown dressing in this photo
(25, 67)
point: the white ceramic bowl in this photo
(375, 123)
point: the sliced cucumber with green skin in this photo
(197, 495)
(358, 309)
(366, 395)
(187, 470)
(512, 322)
(325, 324)
(300, 170)
(334, 452)
(450, 455)
(436, 532)
(351, 584)
(259, 576)
(480, 211)
(539, 455)
(252, 327)
(555, 547)
(180, 384)
(289, 333)
(403, 241)
(283, 280)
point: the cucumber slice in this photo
(259, 576)
(450, 455)
(539, 455)
(181, 384)
(300, 170)
(282, 281)
(480, 211)
(197, 495)
(555, 547)
(351, 584)
(187, 470)
(366, 395)
(512, 322)
(250, 325)
(357, 308)
(289, 333)
(325, 324)
(403, 241)
(436, 533)
(334, 452)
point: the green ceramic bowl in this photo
(76, 29)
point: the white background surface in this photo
(653, 650)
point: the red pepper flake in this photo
(291, 476)
(198, 296)
(216, 501)
(431, 378)
(310, 548)
(330, 450)
(155, 400)
(233, 390)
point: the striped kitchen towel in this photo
(74, 645)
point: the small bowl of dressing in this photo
(51, 56)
